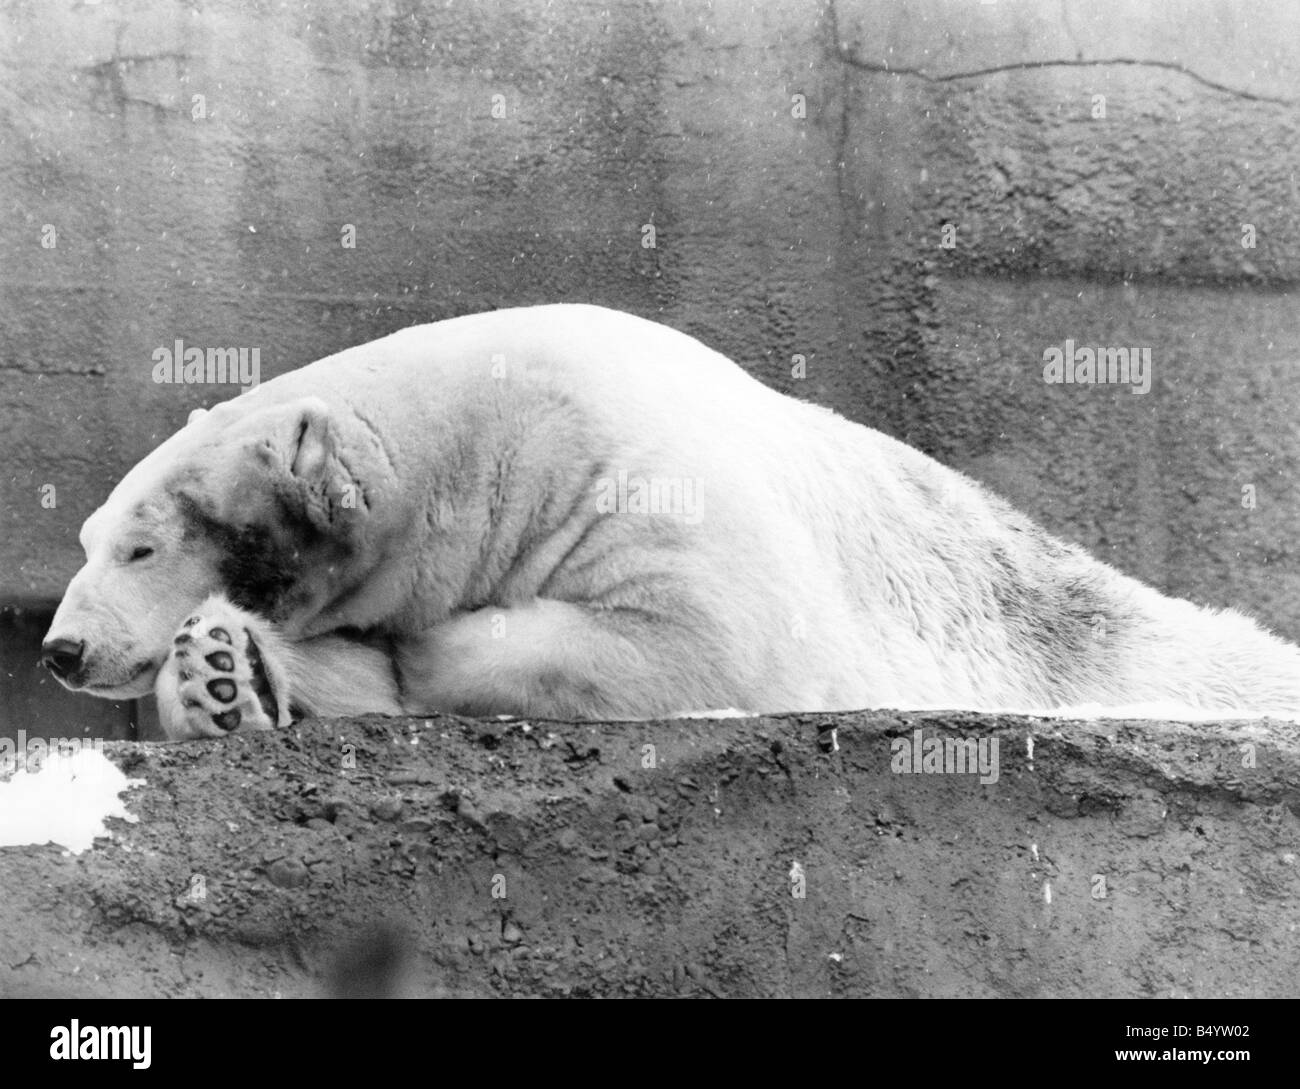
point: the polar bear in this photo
(570, 512)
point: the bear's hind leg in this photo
(555, 659)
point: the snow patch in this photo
(66, 801)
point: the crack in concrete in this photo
(847, 55)
(1068, 27)
(130, 60)
(846, 89)
(7, 367)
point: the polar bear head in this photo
(263, 499)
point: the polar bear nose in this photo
(62, 657)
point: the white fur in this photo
(825, 566)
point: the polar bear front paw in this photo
(224, 673)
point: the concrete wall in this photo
(218, 220)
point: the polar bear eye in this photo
(141, 553)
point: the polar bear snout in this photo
(112, 631)
(69, 661)
(107, 670)
(63, 658)
(92, 648)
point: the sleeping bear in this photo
(570, 512)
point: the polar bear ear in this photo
(313, 445)
(303, 458)
(197, 414)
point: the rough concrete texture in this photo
(218, 220)
(504, 858)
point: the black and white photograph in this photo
(703, 499)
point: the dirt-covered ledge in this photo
(448, 856)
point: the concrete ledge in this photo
(448, 856)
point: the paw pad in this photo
(221, 679)
(223, 690)
(227, 720)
